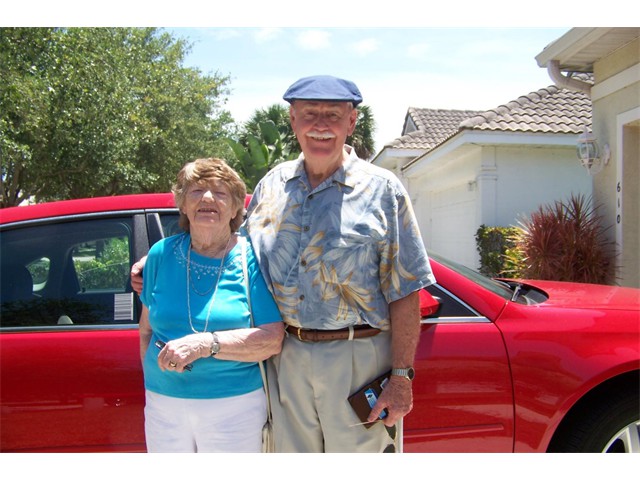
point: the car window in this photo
(67, 273)
(39, 270)
(169, 223)
(102, 265)
(450, 306)
(499, 288)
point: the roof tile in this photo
(548, 110)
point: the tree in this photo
(362, 138)
(256, 155)
(278, 114)
(101, 111)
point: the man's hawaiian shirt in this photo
(336, 256)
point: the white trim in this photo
(570, 44)
(480, 138)
(615, 83)
(451, 320)
(622, 119)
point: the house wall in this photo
(530, 178)
(445, 206)
(616, 122)
(491, 185)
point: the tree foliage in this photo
(362, 138)
(278, 114)
(101, 111)
(255, 155)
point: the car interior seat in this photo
(16, 283)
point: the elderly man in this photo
(337, 240)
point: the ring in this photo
(173, 364)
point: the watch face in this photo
(411, 373)
(215, 346)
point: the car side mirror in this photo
(429, 305)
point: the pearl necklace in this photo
(215, 287)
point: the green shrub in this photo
(493, 244)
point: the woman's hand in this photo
(177, 354)
(242, 345)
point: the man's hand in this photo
(136, 275)
(397, 395)
(397, 398)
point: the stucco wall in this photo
(616, 122)
(490, 185)
(530, 178)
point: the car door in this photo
(69, 347)
(463, 398)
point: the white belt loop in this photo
(350, 333)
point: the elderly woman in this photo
(204, 390)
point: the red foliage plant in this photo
(566, 242)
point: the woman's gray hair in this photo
(204, 170)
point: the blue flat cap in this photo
(324, 88)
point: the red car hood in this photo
(586, 295)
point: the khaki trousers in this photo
(309, 385)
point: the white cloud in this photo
(267, 34)
(314, 39)
(365, 47)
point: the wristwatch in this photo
(215, 345)
(409, 373)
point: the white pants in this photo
(182, 425)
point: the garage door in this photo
(453, 224)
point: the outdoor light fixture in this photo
(589, 153)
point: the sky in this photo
(462, 54)
(394, 68)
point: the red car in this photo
(502, 366)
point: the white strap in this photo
(351, 332)
(243, 244)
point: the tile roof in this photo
(434, 127)
(548, 110)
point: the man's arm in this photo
(397, 396)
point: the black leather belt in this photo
(349, 333)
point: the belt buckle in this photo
(299, 334)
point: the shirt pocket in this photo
(346, 277)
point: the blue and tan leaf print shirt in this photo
(337, 255)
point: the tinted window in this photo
(170, 224)
(71, 273)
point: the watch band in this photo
(408, 373)
(215, 344)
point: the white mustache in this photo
(323, 136)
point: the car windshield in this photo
(495, 286)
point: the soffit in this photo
(581, 47)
